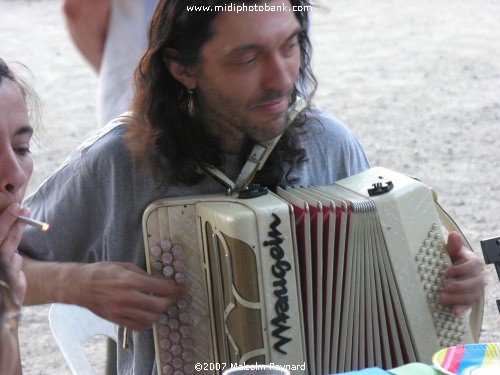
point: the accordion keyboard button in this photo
(166, 245)
(177, 363)
(176, 350)
(173, 327)
(166, 344)
(173, 311)
(167, 258)
(182, 303)
(186, 343)
(180, 278)
(162, 318)
(185, 330)
(167, 357)
(173, 324)
(167, 370)
(184, 317)
(187, 355)
(163, 331)
(168, 271)
(175, 337)
(155, 251)
(177, 250)
(157, 266)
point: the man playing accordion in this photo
(211, 84)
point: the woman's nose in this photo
(13, 178)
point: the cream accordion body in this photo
(317, 279)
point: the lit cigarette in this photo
(35, 223)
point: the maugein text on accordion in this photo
(279, 270)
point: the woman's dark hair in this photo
(162, 128)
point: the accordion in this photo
(316, 279)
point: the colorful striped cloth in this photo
(469, 359)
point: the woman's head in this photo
(19, 111)
(16, 131)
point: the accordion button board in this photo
(318, 279)
(239, 268)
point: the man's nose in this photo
(279, 73)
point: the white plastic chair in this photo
(71, 327)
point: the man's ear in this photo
(185, 75)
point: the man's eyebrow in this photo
(26, 129)
(250, 47)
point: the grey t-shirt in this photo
(95, 201)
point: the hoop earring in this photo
(190, 93)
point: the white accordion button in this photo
(167, 258)
(166, 357)
(177, 363)
(173, 327)
(173, 311)
(175, 336)
(184, 330)
(180, 278)
(173, 324)
(155, 251)
(168, 271)
(163, 331)
(157, 266)
(165, 344)
(177, 250)
(166, 245)
(176, 350)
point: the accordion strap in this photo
(256, 159)
(255, 162)
(476, 315)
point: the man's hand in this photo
(123, 293)
(466, 278)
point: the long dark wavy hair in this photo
(161, 127)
